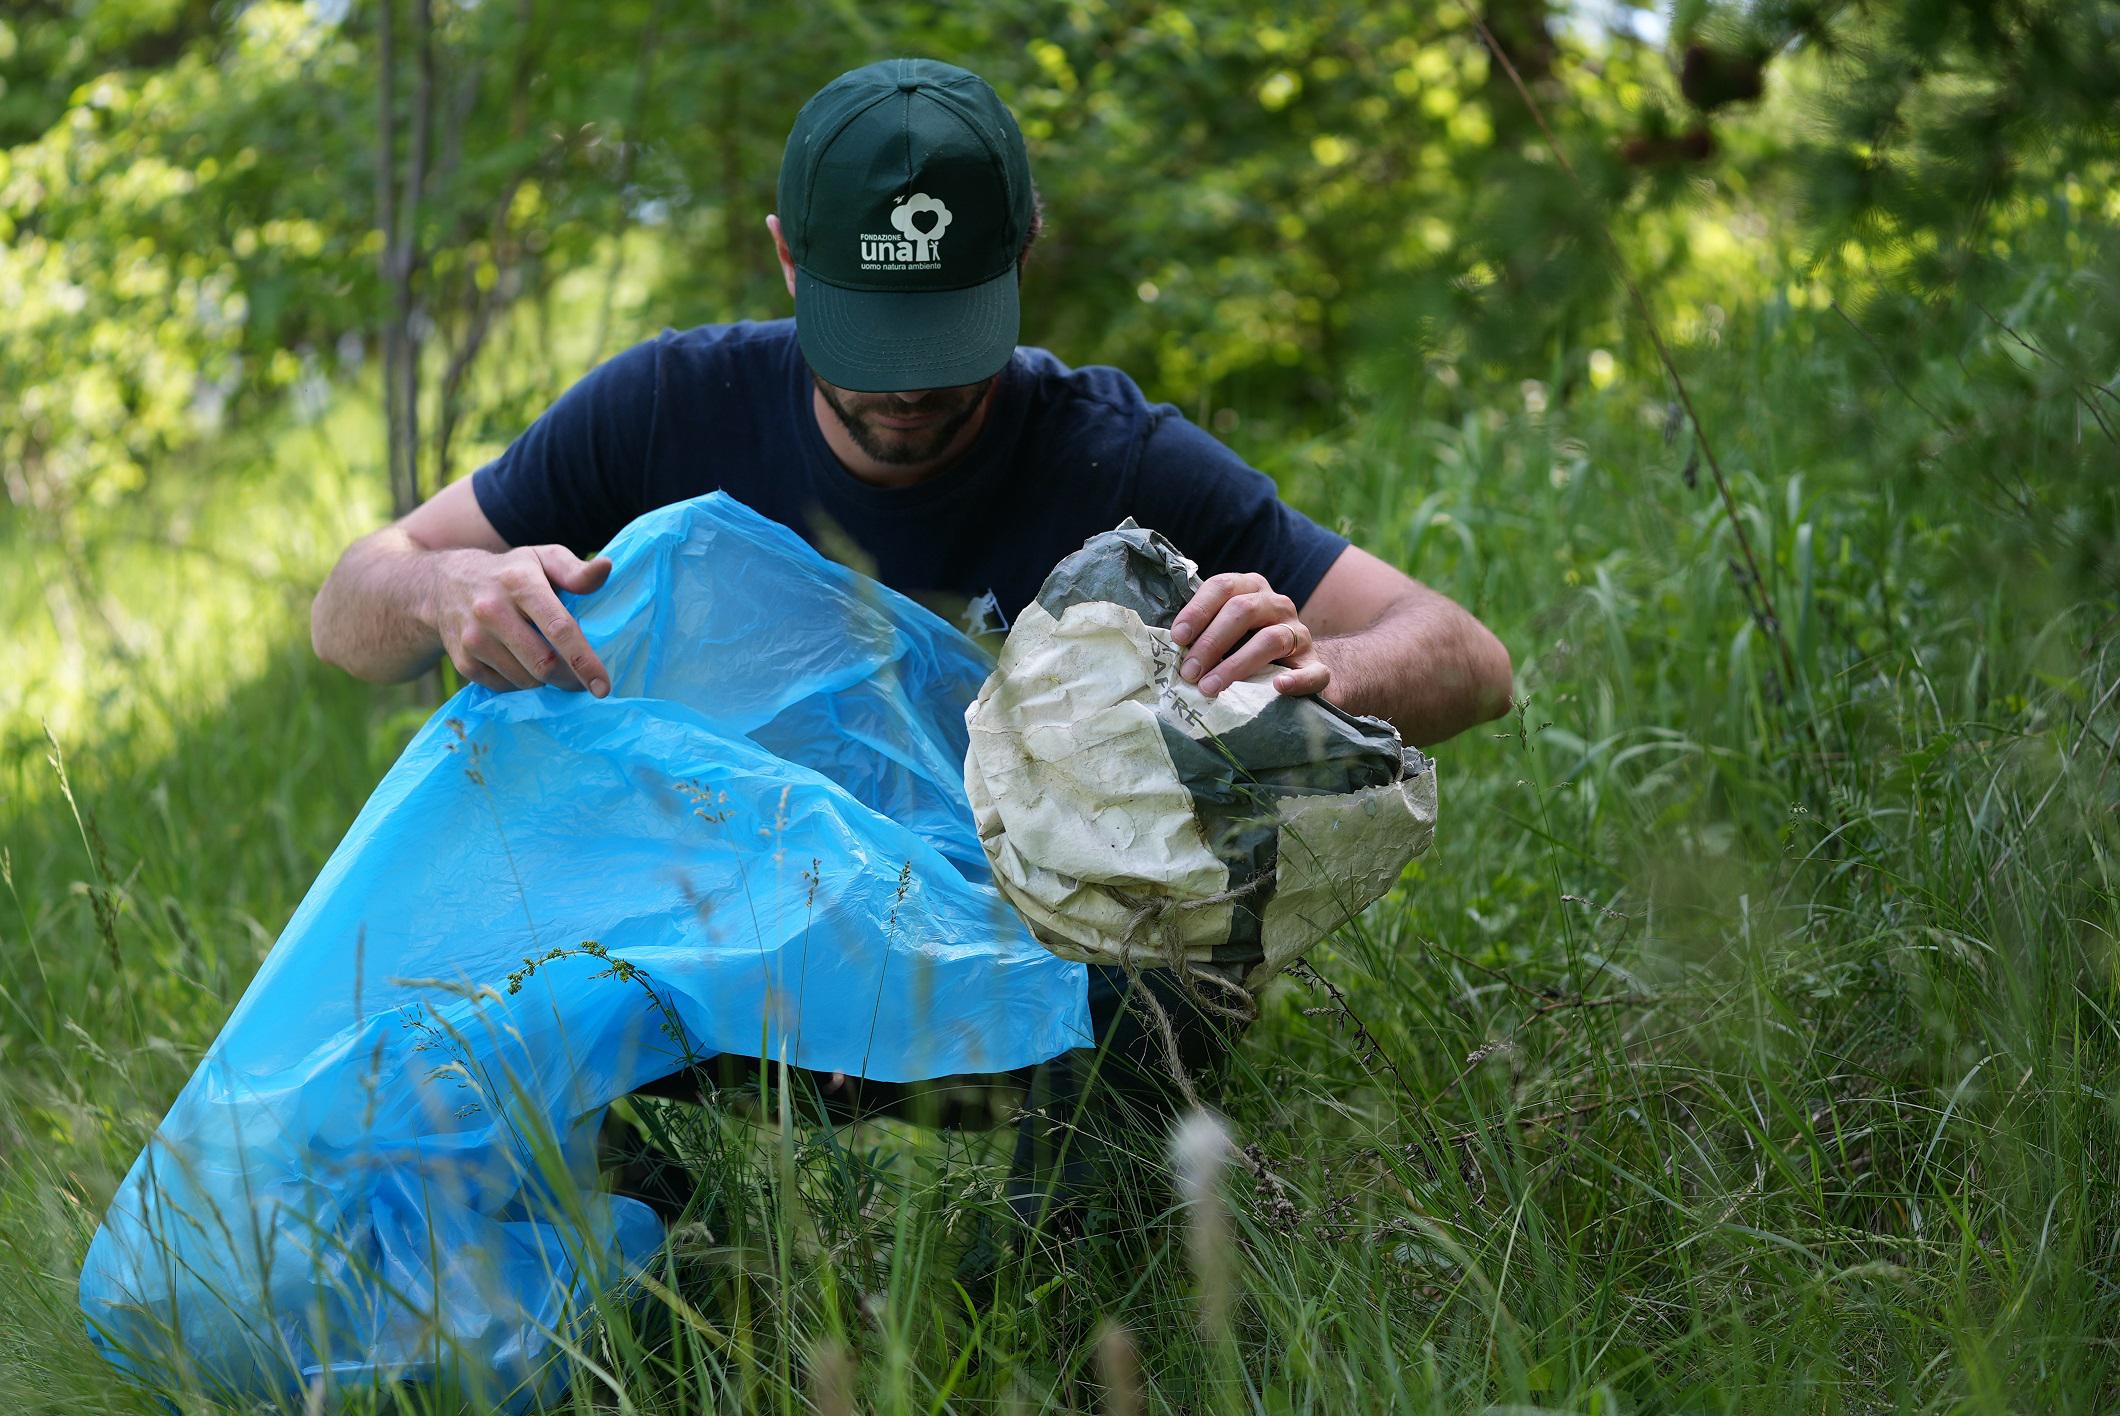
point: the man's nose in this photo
(912, 395)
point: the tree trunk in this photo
(484, 306)
(635, 134)
(398, 212)
(386, 225)
(736, 212)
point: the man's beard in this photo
(903, 447)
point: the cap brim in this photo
(890, 341)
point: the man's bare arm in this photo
(1401, 651)
(441, 580)
(1370, 638)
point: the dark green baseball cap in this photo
(905, 198)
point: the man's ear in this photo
(787, 260)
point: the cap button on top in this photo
(908, 85)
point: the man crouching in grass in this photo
(896, 413)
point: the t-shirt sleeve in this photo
(1226, 515)
(579, 473)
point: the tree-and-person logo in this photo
(921, 220)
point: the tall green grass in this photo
(1746, 1043)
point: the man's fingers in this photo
(504, 639)
(536, 654)
(1237, 625)
(579, 663)
(1242, 614)
(1207, 602)
(1286, 640)
(1309, 677)
(570, 572)
(483, 658)
(474, 671)
(1229, 626)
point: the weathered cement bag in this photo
(1133, 820)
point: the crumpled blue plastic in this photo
(762, 830)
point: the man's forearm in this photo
(371, 618)
(1428, 667)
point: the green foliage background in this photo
(1747, 1042)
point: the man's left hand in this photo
(1235, 627)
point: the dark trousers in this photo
(1089, 1123)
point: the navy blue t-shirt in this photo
(1064, 454)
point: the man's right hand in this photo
(501, 623)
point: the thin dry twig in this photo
(1890, 373)
(1754, 583)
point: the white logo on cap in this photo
(915, 247)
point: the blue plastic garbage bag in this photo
(761, 835)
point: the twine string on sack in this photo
(1153, 938)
